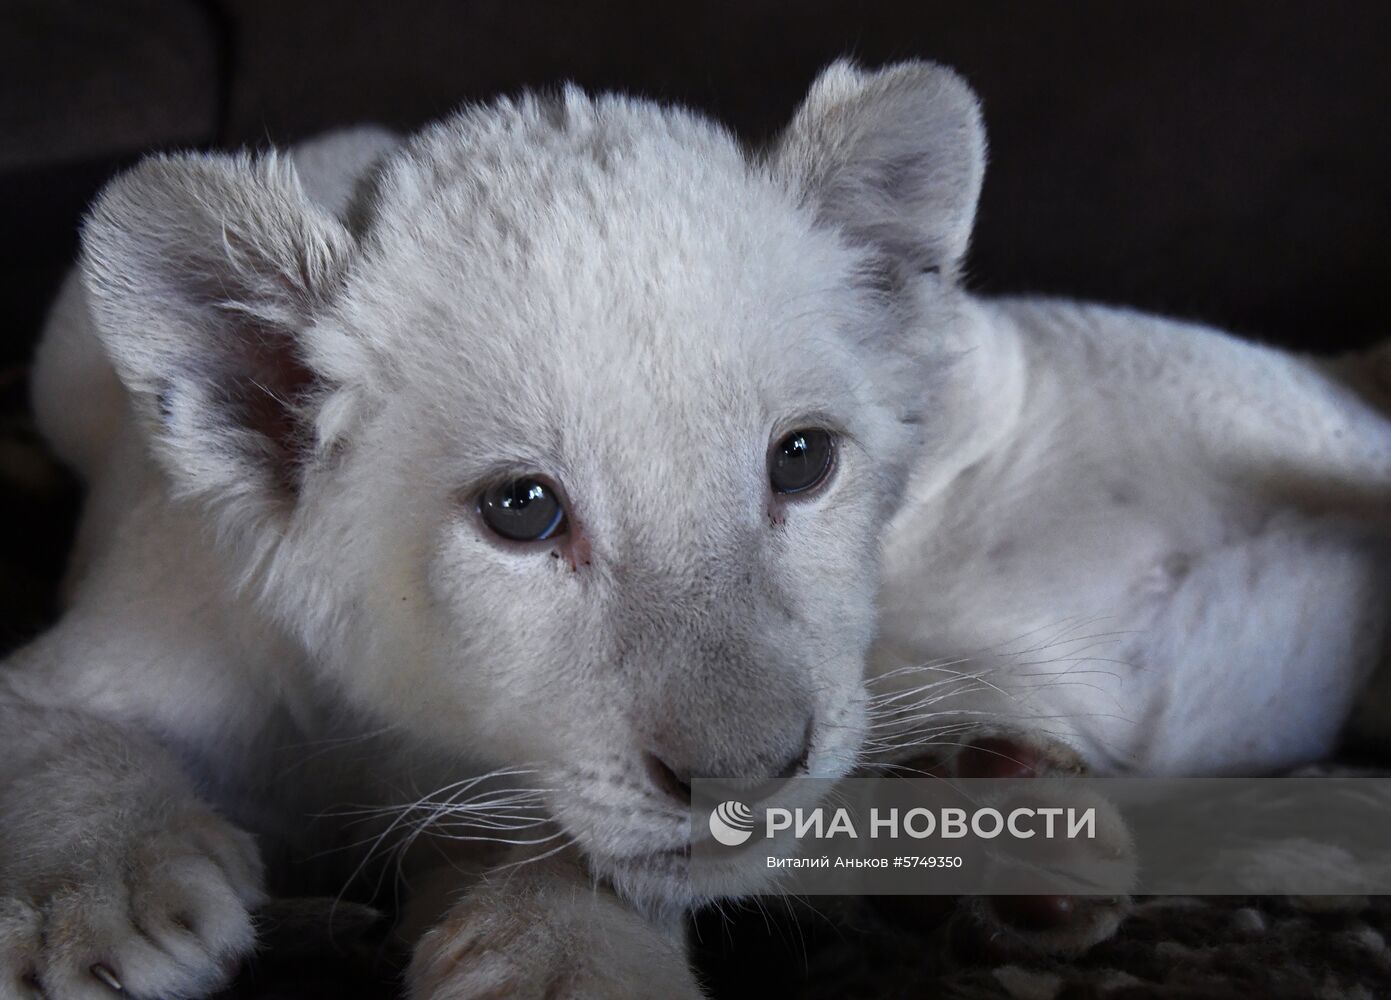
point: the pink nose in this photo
(674, 781)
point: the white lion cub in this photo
(568, 442)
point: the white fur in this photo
(1171, 552)
(320, 359)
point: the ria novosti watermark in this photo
(732, 823)
(1303, 836)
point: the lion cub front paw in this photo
(564, 941)
(1049, 923)
(162, 915)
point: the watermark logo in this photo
(1052, 835)
(731, 823)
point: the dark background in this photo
(1225, 160)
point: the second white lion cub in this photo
(570, 444)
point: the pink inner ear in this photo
(269, 390)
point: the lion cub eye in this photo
(801, 461)
(523, 510)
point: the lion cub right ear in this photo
(208, 278)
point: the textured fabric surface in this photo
(1214, 947)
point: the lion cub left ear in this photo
(894, 158)
(207, 276)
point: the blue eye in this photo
(801, 461)
(523, 510)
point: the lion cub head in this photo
(573, 445)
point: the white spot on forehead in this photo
(600, 228)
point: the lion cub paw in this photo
(1053, 924)
(164, 915)
(547, 939)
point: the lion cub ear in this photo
(207, 277)
(894, 158)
